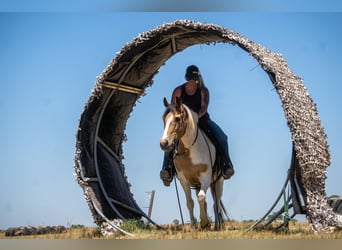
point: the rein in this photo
(186, 149)
(176, 153)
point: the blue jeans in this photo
(218, 137)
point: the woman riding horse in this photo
(195, 95)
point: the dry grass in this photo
(233, 230)
(71, 233)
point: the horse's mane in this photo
(193, 116)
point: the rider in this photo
(195, 95)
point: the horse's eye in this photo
(177, 119)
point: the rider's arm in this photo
(176, 93)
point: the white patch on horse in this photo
(199, 157)
(201, 195)
(166, 129)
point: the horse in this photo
(194, 159)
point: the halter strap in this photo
(186, 149)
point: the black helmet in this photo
(192, 72)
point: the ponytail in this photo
(200, 81)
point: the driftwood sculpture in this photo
(101, 132)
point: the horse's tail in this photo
(217, 172)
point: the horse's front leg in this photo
(203, 208)
(189, 203)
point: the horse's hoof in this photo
(219, 226)
(206, 226)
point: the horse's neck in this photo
(196, 141)
(191, 131)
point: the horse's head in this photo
(175, 123)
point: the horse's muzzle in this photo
(164, 145)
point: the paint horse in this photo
(194, 159)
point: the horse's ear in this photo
(166, 103)
(178, 101)
(179, 106)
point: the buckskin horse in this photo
(194, 159)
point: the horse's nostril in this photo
(163, 143)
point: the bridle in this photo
(176, 144)
(183, 113)
(176, 153)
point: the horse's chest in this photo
(190, 169)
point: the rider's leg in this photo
(221, 142)
(167, 172)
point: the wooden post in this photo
(151, 204)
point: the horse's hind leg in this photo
(217, 191)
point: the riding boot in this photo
(167, 172)
(225, 163)
(220, 140)
(227, 167)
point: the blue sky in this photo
(48, 66)
(171, 5)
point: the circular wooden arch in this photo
(101, 132)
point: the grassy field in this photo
(233, 230)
